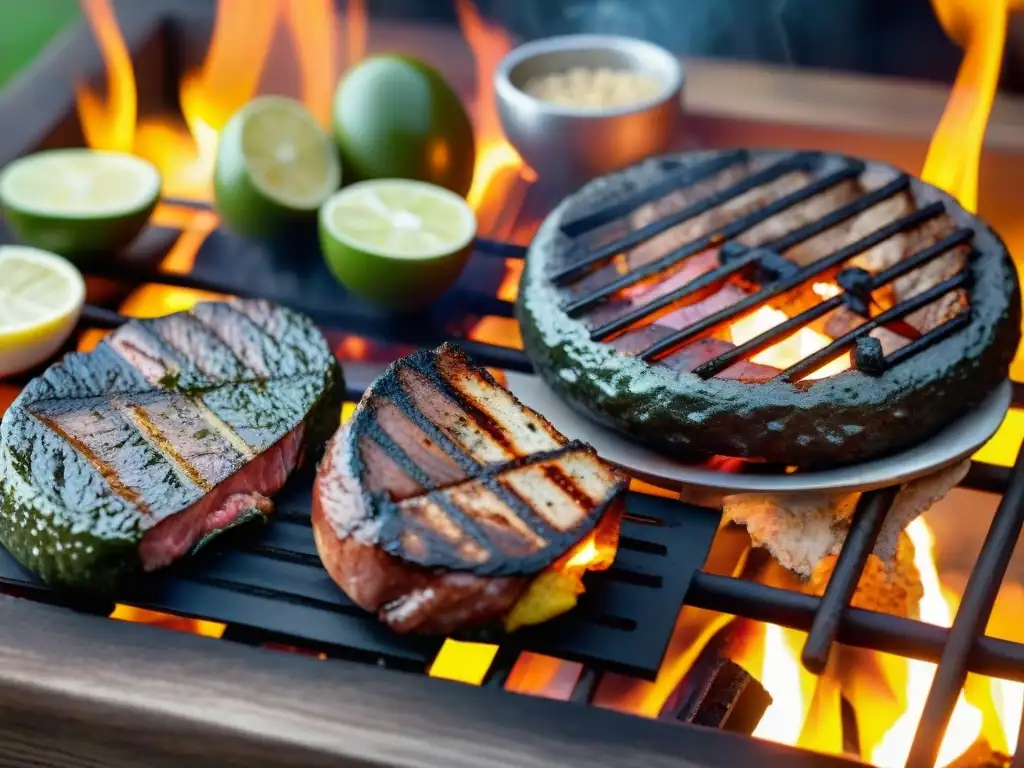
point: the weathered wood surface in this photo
(78, 691)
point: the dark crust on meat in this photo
(435, 589)
(386, 512)
(83, 524)
(842, 419)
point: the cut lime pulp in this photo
(41, 297)
(396, 242)
(274, 164)
(78, 202)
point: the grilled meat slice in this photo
(170, 430)
(443, 498)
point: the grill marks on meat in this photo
(700, 305)
(443, 496)
(168, 431)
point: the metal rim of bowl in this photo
(671, 79)
(954, 442)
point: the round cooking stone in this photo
(841, 419)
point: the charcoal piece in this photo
(718, 693)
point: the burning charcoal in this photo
(868, 356)
(718, 693)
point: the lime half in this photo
(41, 297)
(78, 201)
(274, 165)
(396, 242)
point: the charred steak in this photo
(622, 336)
(443, 499)
(169, 431)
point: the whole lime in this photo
(397, 117)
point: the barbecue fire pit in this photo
(693, 649)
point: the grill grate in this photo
(777, 275)
(266, 584)
(271, 580)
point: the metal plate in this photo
(957, 441)
(269, 580)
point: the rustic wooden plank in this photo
(79, 691)
(848, 102)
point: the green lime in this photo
(396, 117)
(274, 166)
(78, 202)
(397, 242)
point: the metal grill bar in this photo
(827, 354)
(800, 162)
(696, 286)
(971, 619)
(857, 627)
(785, 328)
(729, 314)
(723, 233)
(686, 176)
(867, 524)
(934, 336)
(987, 478)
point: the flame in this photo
(356, 25)
(954, 156)
(789, 350)
(495, 157)
(780, 675)
(109, 123)
(965, 722)
(178, 623)
(311, 23)
(888, 692)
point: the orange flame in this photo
(311, 23)
(495, 156)
(805, 709)
(965, 722)
(954, 155)
(789, 350)
(357, 23)
(110, 123)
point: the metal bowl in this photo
(571, 145)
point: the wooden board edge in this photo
(757, 92)
(83, 691)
